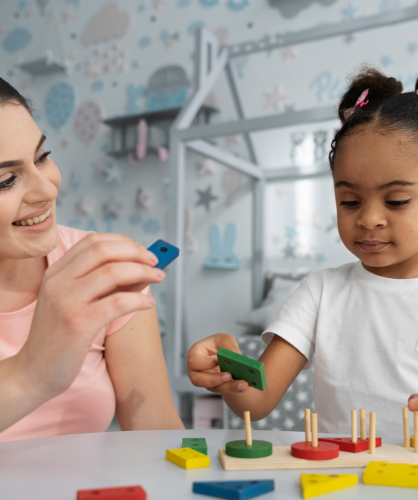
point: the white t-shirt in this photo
(363, 330)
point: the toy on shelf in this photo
(165, 253)
(248, 448)
(312, 485)
(353, 444)
(187, 458)
(234, 490)
(197, 444)
(314, 450)
(386, 474)
(121, 493)
(282, 458)
(242, 368)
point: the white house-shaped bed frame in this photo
(210, 63)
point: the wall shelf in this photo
(124, 128)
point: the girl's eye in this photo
(350, 203)
(8, 183)
(43, 157)
(397, 203)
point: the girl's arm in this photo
(282, 363)
(136, 365)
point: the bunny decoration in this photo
(222, 257)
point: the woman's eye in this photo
(350, 203)
(397, 203)
(43, 157)
(8, 183)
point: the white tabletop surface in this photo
(54, 468)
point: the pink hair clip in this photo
(359, 104)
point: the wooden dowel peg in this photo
(363, 432)
(307, 425)
(248, 435)
(415, 431)
(405, 427)
(372, 433)
(314, 430)
(354, 426)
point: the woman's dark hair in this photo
(387, 108)
(9, 95)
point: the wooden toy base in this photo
(282, 459)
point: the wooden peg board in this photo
(282, 459)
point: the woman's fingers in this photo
(103, 252)
(86, 242)
(99, 248)
(121, 276)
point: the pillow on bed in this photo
(259, 319)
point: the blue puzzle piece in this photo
(234, 490)
(165, 253)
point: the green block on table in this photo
(242, 368)
(197, 444)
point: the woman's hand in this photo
(203, 367)
(98, 280)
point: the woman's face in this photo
(29, 182)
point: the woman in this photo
(79, 334)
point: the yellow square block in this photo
(390, 474)
(187, 458)
(312, 485)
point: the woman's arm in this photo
(136, 365)
(282, 364)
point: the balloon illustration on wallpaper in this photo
(17, 39)
(60, 104)
(110, 22)
(167, 88)
(88, 121)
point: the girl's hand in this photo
(413, 402)
(203, 368)
(98, 280)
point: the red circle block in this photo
(324, 451)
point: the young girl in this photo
(361, 319)
(73, 347)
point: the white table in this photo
(54, 468)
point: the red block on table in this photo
(346, 444)
(305, 450)
(121, 493)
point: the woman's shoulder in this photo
(69, 236)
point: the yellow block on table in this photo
(187, 458)
(312, 485)
(390, 474)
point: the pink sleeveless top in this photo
(88, 405)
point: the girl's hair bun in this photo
(380, 88)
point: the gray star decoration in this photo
(205, 197)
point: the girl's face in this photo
(29, 182)
(376, 191)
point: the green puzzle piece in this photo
(197, 444)
(242, 368)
